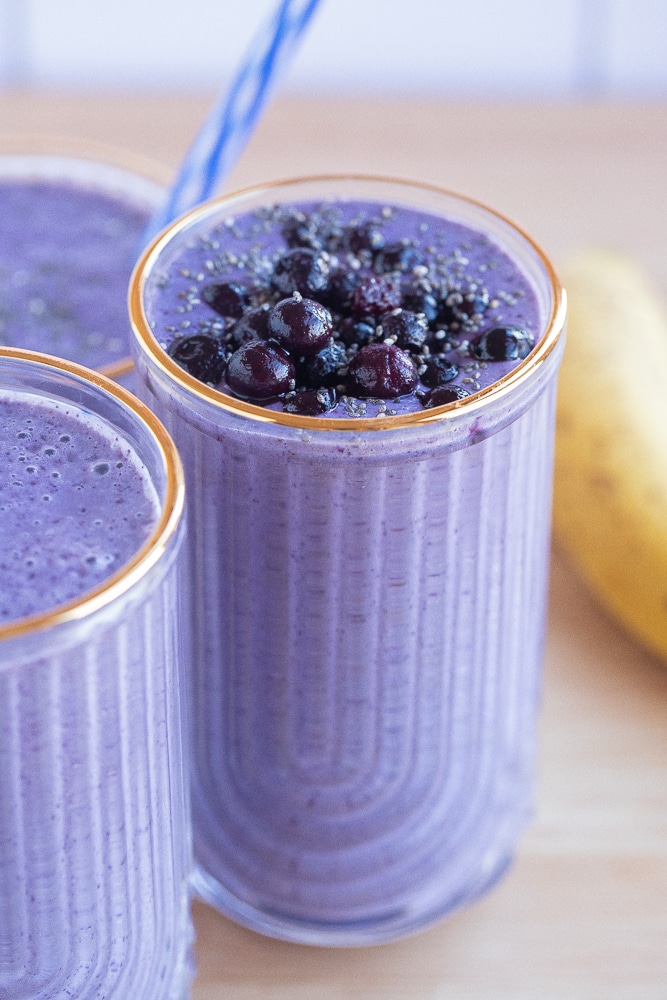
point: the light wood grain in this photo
(583, 913)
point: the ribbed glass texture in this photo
(95, 846)
(369, 632)
(368, 623)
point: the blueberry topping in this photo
(502, 343)
(201, 355)
(375, 295)
(253, 325)
(322, 369)
(381, 370)
(399, 257)
(418, 300)
(342, 284)
(366, 236)
(260, 371)
(227, 298)
(344, 299)
(300, 230)
(444, 394)
(303, 326)
(459, 306)
(301, 270)
(311, 402)
(438, 371)
(356, 331)
(409, 330)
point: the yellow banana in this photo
(610, 500)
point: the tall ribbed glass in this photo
(95, 846)
(369, 613)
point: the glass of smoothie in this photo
(95, 845)
(71, 221)
(360, 376)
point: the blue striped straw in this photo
(233, 118)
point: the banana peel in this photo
(610, 496)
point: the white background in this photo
(505, 48)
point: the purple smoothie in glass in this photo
(75, 504)
(70, 230)
(94, 826)
(369, 592)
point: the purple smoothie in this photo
(70, 231)
(94, 826)
(369, 599)
(75, 504)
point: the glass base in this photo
(377, 929)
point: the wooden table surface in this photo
(583, 913)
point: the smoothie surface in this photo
(422, 310)
(66, 255)
(75, 503)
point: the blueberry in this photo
(502, 343)
(253, 325)
(409, 330)
(445, 394)
(322, 369)
(260, 371)
(303, 326)
(375, 295)
(366, 236)
(438, 371)
(227, 298)
(311, 402)
(301, 270)
(381, 370)
(419, 300)
(399, 257)
(300, 230)
(342, 284)
(458, 306)
(475, 301)
(201, 355)
(356, 331)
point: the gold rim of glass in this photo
(116, 585)
(553, 327)
(31, 144)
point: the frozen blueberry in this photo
(300, 230)
(201, 355)
(301, 270)
(356, 331)
(342, 283)
(502, 343)
(438, 371)
(227, 298)
(381, 370)
(322, 369)
(418, 300)
(375, 295)
(303, 326)
(253, 325)
(366, 236)
(399, 257)
(409, 330)
(311, 402)
(445, 394)
(460, 305)
(260, 371)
